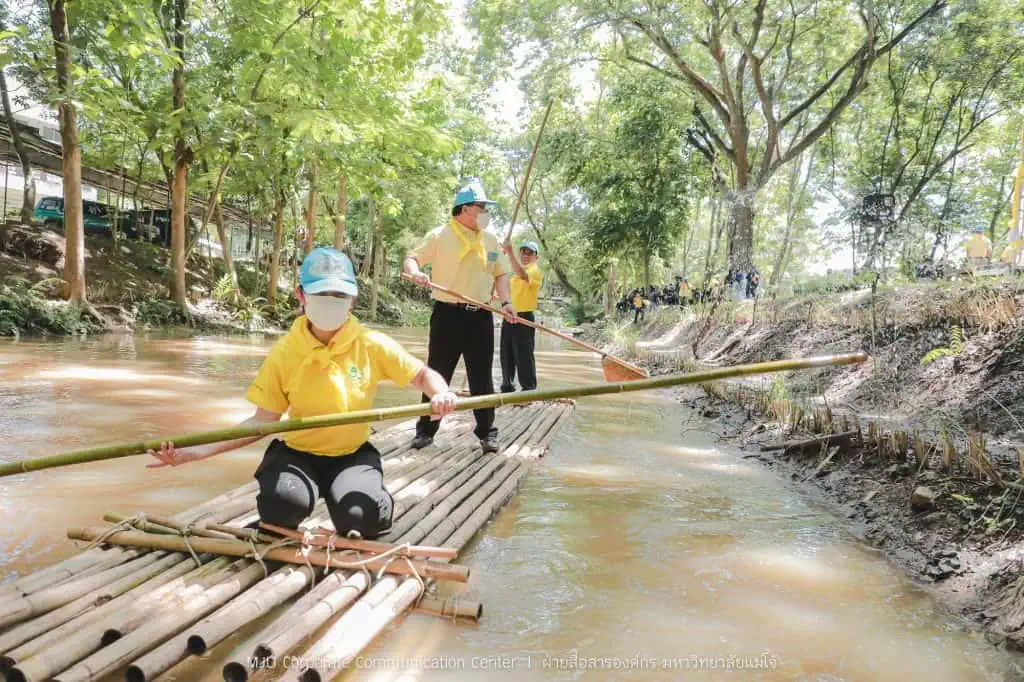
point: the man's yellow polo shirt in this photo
(461, 263)
(979, 246)
(524, 291)
(308, 379)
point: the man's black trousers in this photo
(517, 344)
(460, 331)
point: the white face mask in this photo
(482, 221)
(328, 312)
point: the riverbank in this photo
(930, 471)
(127, 289)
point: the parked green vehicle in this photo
(96, 217)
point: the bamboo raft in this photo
(152, 592)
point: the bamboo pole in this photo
(451, 608)
(254, 602)
(237, 548)
(166, 623)
(342, 653)
(529, 167)
(86, 603)
(54, 597)
(76, 566)
(422, 409)
(36, 663)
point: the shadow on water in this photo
(636, 544)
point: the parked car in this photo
(96, 218)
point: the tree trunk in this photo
(741, 230)
(71, 161)
(378, 263)
(340, 216)
(225, 245)
(311, 209)
(275, 253)
(182, 159)
(647, 270)
(609, 291)
(688, 239)
(28, 199)
(364, 267)
(712, 224)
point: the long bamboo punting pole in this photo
(237, 548)
(421, 409)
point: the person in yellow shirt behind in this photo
(518, 340)
(467, 259)
(327, 363)
(979, 248)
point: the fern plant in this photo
(957, 342)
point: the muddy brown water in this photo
(639, 549)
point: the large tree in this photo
(754, 69)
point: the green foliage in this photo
(957, 343)
(159, 312)
(24, 310)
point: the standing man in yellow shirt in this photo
(467, 259)
(979, 248)
(327, 363)
(517, 340)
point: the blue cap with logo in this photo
(532, 246)
(328, 270)
(473, 193)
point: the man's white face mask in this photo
(482, 221)
(328, 312)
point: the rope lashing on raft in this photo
(123, 525)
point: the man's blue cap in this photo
(473, 193)
(328, 270)
(532, 246)
(979, 228)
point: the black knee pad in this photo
(281, 511)
(362, 513)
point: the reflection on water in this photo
(634, 540)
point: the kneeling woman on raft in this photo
(327, 363)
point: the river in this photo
(639, 548)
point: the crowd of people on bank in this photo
(739, 284)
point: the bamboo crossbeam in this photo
(451, 608)
(237, 548)
(422, 409)
(369, 546)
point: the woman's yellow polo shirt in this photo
(307, 379)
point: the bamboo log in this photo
(53, 597)
(451, 608)
(75, 566)
(422, 409)
(87, 602)
(36, 663)
(166, 623)
(332, 602)
(341, 653)
(246, 608)
(196, 639)
(237, 548)
(75, 629)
